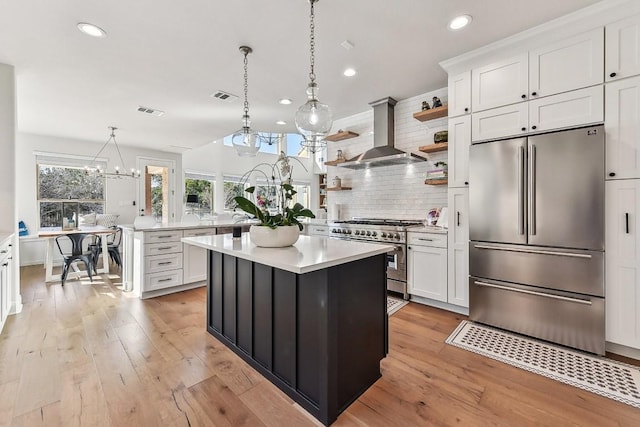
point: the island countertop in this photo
(309, 253)
(190, 225)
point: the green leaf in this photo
(250, 189)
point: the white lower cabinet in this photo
(427, 265)
(458, 247)
(194, 258)
(6, 278)
(622, 262)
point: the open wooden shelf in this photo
(434, 113)
(341, 135)
(338, 188)
(433, 148)
(439, 181)
(334, 162)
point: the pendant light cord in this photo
(312, 42)
(246, 85)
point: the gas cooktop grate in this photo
(606, 377)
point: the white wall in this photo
(397, 191)
(218, 159)
(120, 193)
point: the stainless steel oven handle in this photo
(539, 294)
(533, 251)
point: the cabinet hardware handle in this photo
(165, 280)
(425, 240)
(164, 248)
(163, 237)
(612, 174)
(458, 215)
(534, 251)
(534, 93)
(466, 183)
(612, 75)
(466, 109)
(164, 263)
(4, 251)
(524, 96)
(539, 294)
(5, 264)
(523, 129)
(408, 247)
(626, 222)
(534, 127)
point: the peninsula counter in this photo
(311, 318)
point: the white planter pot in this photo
(278, 237)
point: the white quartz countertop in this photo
(427, 229)
(309, 253)
(192, 225)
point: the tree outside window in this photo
(232, 188)
(203, 189)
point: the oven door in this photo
(397, 264)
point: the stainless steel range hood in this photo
(383, 152)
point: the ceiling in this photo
(172, 55)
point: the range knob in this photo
(357, 233)
(333, 230)
(348, 231)
(368, 233)
(374, 234)
(383, 235)
(397, 236)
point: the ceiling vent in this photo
(224, 96)
(151, 111)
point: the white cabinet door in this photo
(428, 272)
(500, 122)
(458, 156)
(623, 48)
(570, 64)
(502, 83)
(622, 126)
(622, 262)
(458, 247)
(194, 263)
(460, 94)
(569, 109)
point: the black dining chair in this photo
(79, 251)
(113, 246)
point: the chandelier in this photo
(246, 141)
(117, 172)
(313, 119)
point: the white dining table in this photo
(50, 234)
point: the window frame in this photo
(201, 176)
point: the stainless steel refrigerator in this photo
(536, 250)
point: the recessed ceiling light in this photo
(285, 101)
(349, 72)
(459, 22)
(91, 30)
(281, 122)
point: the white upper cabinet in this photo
(569, 64)
(460, 94)
(569, 109)
(501, 83)
(623, 48)
(459, 142)
(500, 122)
(622, 127)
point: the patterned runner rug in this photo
(606, 377)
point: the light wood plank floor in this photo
(91, 355)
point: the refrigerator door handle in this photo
(539, 294)
(532, 191)
(534, 251)
(521, 166)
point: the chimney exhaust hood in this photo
(383, 152)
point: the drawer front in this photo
(162, 248)
(199, 232)
(162, 236)
(156, 263)
(318, 230)
(427, 239)
(163, 280)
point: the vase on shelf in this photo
(279, 237)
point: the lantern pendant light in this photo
(313, 119)
(246, 141)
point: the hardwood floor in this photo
(90, 355)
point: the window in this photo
(286, 142)
(266, 196)
(66, 190)
(202, 186)
(233, 186)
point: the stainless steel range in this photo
(376, 230)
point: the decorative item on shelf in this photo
(425, 106)
(441, 136)
(436, 102)
(278, 220)
(313, 119)
(432, 216)
(339, 155)
(337, 182)
(439, 172)
(246, 141)
(117, 173)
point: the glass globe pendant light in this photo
(313, 119)
(246, 141)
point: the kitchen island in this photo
(311, 318)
